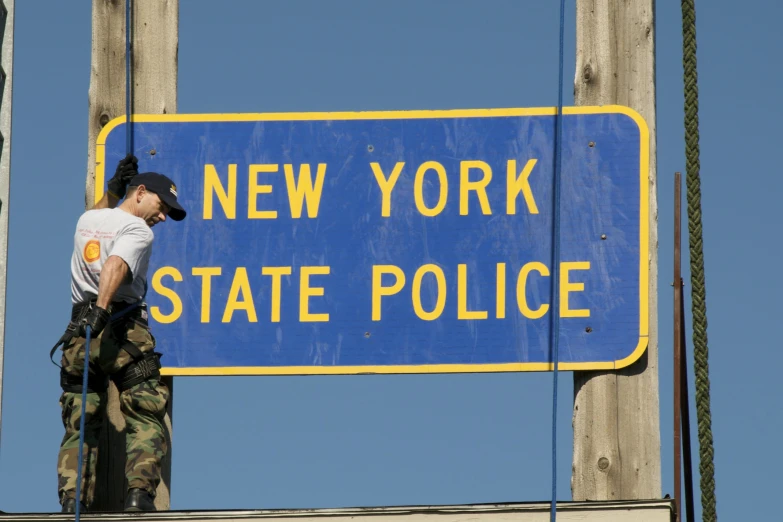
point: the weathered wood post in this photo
(154, 74)
(6, 84)
(616, 413)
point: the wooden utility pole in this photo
(6, 84)
(617, 446)
(154, 74)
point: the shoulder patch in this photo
(92, 251)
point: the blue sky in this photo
(253, 442)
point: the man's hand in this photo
(126, 169)
(97, 320)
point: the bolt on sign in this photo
(395, 242)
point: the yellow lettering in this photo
(416, 292)
(276, 272)
(480, 186)
(306, 291)
(386, 185)
(168, 293)
(213, 186)
(462, 296)
(418, 188)
(254, 189)
(500, 305)
(379, 291)
(524, 309)
(298, 192)
(240, 284)
(566, 286)
(206, 274)
(515, 185)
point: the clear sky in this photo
(254, 442)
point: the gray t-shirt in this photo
(110, 232)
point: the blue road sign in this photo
(395, 242)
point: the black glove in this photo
(126, 169)
(97, 320)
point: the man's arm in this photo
(114, 272)
(107, 201)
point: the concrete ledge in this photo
(626, 511)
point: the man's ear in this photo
(140, 191)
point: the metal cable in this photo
(554, 331)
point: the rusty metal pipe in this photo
(686, 418)
(678, 334)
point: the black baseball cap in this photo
(164, 188)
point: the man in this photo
(112, 247)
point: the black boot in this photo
(139, 500)
(69, 506)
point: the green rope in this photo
(698, 291)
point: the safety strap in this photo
(78, 312)
(133, 351)
(70, 333)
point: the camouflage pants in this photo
(143, 407)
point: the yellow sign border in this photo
(644, 221)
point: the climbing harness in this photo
(81, 310)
